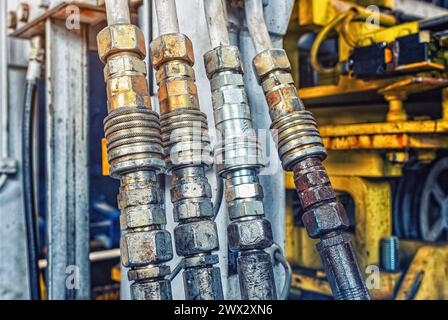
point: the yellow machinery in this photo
(376, 81)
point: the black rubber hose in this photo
(28, 190)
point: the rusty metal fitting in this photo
(301, 149)
(159, 289)
(203, 283)
(135, 153)
(221, 59)
(342, 269)
(196, 235)
(256, 276)
(273, 71)
(187, 154)
(251, 234)
(171, 47)
(297, 138)
(133, 141)
(121, 39)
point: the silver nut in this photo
(189, 209)
(156, 290)
(249, 234)
(196, 237)
(244, 191)
(142, 216)
(229, 95)
(145, 247)
(203, 284)
(148, 273)
(137, 197)
(245, 209)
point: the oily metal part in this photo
(135, 152)
(301, 150)
(238, 159)
(188, 154)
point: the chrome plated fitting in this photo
(238, 158)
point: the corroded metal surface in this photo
(187, 154)
(135, 152)
(301, 150)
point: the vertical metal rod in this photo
(167, 16)
(67, 162)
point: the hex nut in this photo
(137, 197)
(270, 60)
(223, 58)
(121, 38)
(315, 195)
(145, 247)
(191, 188)
(142, 216)
(203, 284)
(325, 219)
(229, 95)
(243, 191)
(156, 290)
(190, 209)
(169, 47)
(123, 64)
(196, 237)
(148, 273)
(249, 234)
(242, 209)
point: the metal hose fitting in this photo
(187, 154)
(135, 152)
(301, 149)
(238, 159)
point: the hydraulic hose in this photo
(29, 204)
(302, 151)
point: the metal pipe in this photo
(257, 26)
(167, 16)
(301, 150)
(187, 154)
(117, 12)
(216, 22)
(134, 146)
(4, 88)
(238, 161)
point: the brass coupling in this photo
(301, 149)
(184, 126)
(294, 129)
(187, 154)
(135, 152)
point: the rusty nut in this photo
(224, 58)
(122, 65)
(190, 209)
(137, 197)
(249, 234)
(325, 219)
(195, 280)
(151, 272)
(142, 216)
(191, 188)
(269, 61)
(121, 38)
(145, 247)
(169, 47)
(175, 69)
(154, 290)
(196, 237)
